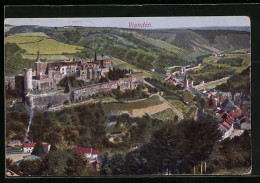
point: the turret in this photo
(27, 80)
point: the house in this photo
(228, 105)
(243, 122)
(245, 106)
(237, 98)
(28, 147)
(90, 153)
(227, 125)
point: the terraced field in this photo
(164, 115)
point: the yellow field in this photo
(32, 42)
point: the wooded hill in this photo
(145, 48)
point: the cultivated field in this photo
(164, 115)
(33, 42)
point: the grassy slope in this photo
(34, 42)
(129, 66)
(133, 105)
(212, 60)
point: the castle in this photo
(49, 74)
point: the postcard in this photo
(128, 96)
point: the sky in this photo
(123, 22)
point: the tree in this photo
(12, 166)
(200, 137)
(38, 149)
(56, 162)
(117, 164)
(71, 134)
(32, 167)
(105, 168)
(78, 165)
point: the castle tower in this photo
(27, 80)
(186, 82)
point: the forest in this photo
(14, 63)
(237, 83)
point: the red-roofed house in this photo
(28, 147)
(227, 125)
(90, 153)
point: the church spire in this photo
(186, 82)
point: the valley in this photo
(142, 102)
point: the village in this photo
(232, 111)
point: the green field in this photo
(154, 100)
(129, 66)
(33, 42)
(212, 70)
(179, 105)
(164, 115)
(191, 112)
(50, 57)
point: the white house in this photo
(91, 154)
(28, 147)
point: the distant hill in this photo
(235, 28)
(146, 48)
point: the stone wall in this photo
(45, 100)
(10, 81)
(93, 89)
(52, 99)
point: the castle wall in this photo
(43, 101)
(10, 81)
(19, 83)
(93, 89)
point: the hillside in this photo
(31, 42)
(146, 49)
(238, 83)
